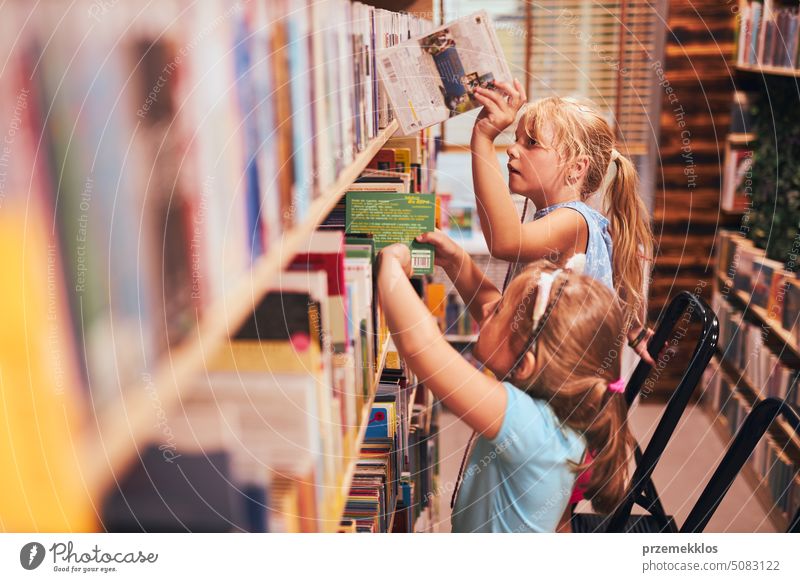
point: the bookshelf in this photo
(112, 440)
(777, 339)
(757, 356)
(723, 429)
(780, 431)
(351, 457)
(780, 340)
(766, 39)
(162, 231)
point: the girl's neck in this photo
(566, 195)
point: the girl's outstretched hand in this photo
(641, 347)
(446, 253)
(400, 253)
(499, 108)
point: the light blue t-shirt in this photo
(520, 481)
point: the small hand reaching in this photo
(447, 254)
(499, 108)
(401, 254)
(641, 347)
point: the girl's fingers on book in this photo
(511, 91)
(521, 90)
(494, 96)
(487, 103)
(434, 238)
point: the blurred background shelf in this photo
(117, 432)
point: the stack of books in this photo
(770, 461)
(393, 485)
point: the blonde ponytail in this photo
(579, 130)
(633, 240)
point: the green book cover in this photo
(394, 218)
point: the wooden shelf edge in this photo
(768, 70)
(741, 138)
(332, 524)
(114, 439)
(790, 355)
(394, 512)
(764, 497)
(738, 379)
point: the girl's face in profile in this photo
(534, 167)
(493, 347)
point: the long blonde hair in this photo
(577, 353)
(579, 130)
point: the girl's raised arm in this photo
(472, 284)
(498, 215)
(477, 399)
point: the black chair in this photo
(755, 425)
(642, 491)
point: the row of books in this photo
(768, 34)
(293, 381)
(765, 282)
(287, 391)
(770, 462)
(180, 144)
(450, 312)
(394, 476)
(737, 177)
(742, 345)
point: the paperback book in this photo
(433, 77)
(394, 218)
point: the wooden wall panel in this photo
(697, 67)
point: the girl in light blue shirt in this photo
(553, 338)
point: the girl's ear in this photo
(581, 166)
(525, 368)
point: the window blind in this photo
(583, 48)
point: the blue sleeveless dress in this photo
(599, 248)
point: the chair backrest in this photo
(683, 308)
(755, 425)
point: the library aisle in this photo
(202, 330)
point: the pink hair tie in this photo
(617, 386)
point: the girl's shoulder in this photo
(536, 420)
(593, 217)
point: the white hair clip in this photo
(544, 286)
(577, 263)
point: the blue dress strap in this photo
(599, 247)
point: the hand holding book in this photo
(397, 252)
(500, 108)
(447, 254)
